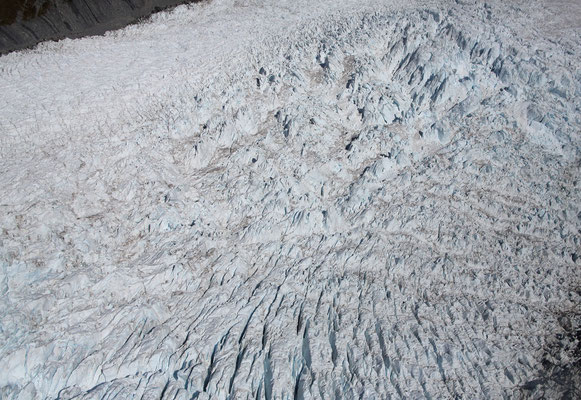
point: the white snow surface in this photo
(296, 199)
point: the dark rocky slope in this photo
(24, 23)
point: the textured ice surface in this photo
(295, 200)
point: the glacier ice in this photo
(342, 200)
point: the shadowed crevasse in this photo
(25, 23)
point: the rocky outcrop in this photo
(24, 23)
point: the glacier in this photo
(296, 199)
